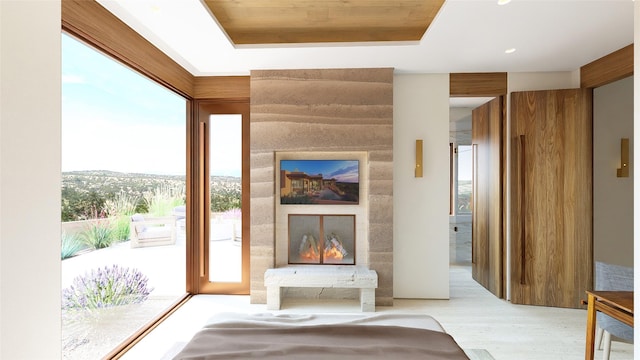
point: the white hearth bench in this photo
(326, 276)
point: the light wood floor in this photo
(474, 317)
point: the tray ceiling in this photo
(249, 22)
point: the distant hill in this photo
(108, 173)
(84, 192)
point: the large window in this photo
(123, 201)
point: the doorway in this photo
(461, 155)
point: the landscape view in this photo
(88, 194)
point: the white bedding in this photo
(321, 336)
(235, 320)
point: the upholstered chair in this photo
(612, 277)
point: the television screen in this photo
(320, 182)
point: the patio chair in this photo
(611, 277)
(152, 231)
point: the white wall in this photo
(30, 177)
(421, 205)
(612, 200)
(542, 81)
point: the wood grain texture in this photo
(487, 239)
(477, 84)
(221, 87)
(557, 241)
(615, 66)
(92, 23)
(310, 21)
(323, 110)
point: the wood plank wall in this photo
(322, 110)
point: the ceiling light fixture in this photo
(510, 51)
(503, 2)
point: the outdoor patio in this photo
(98, 332)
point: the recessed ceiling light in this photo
(503, 2)
(510, 51)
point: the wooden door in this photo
(551, 198)
(486, 238)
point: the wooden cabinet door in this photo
(486, 237)
(551, 197)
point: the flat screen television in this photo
(319, 182)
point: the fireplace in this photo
(322, 239)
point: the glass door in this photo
(223, 227)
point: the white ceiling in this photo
(466, 36)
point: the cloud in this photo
(346, 174)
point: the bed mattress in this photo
(325, 336)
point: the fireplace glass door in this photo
(322, 239)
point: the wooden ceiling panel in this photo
(312, 21)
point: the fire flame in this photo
(332, 253)
(309, 250)
(310, 255)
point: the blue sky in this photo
(115, 119)
(341, 170)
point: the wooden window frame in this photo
(91, 23)
(204, 109)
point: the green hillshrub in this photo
(70, 245)
(162, 200)
(98, 235)
(121, 228)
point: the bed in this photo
(325, 336)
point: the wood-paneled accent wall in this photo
(477, 84)
(322, 110)
(92, 23)
(615, 66)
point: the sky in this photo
(341, 170)
(115, 119)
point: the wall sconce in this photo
(418, 158)
(624, 158)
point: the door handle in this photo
(523, 208)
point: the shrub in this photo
(98, 235)
(121, 204)
(70, 245)
(121, 228)
(163, 199)
(106, 287)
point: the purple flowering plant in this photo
(106, 287)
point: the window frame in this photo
(91, 23)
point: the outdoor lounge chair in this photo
(152, 231)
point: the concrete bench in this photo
(353, 277)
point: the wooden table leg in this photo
(591, 327)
